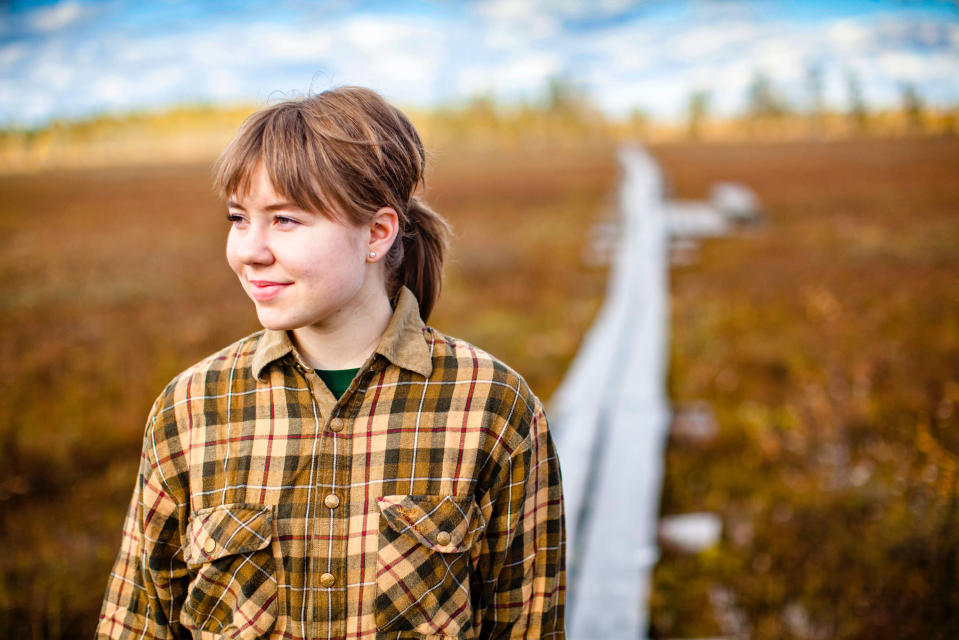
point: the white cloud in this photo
(370, 33)
(660, 96)
(508, 48)
(706, 40)
(286, 45)
(163, 79)
(111, 89)
(509, 37)
(55, 17)
(724, 59)
(519, 76)
(508, 11)
(780, 59)
(222, 85)
(520, 11)
(55, 75)
(625, 49)
(11, 54)
(33, 106)
(904, 65)
(848, 35)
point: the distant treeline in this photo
(565, 115)
(770, 114)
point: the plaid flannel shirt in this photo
(424, 503)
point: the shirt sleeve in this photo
(147, 584)
(529, 593)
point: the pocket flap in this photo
(443, 523)
(216, 532)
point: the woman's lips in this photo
(263, 290)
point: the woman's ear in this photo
(383, 229)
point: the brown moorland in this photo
(114, 280)
(826, 340)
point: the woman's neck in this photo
(348, 343)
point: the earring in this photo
(372, 254)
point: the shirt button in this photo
(331, 501)
(209, 545)
(336, 424)
(327, 579)
(443, 538)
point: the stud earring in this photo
(372, 254)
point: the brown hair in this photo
(346, 153)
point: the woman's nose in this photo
(250, 245)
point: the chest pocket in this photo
(423, 564)
(233, 588)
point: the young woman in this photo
(347, 472)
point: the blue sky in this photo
(79, 57)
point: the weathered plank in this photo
(610, 421)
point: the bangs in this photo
(298, 165)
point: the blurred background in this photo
(819, 348)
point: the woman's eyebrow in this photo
(276, 206)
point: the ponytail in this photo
(419, 253)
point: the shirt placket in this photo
(329, 509)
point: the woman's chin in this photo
(273, 322)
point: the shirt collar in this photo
(403, 342)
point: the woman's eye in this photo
(234, 218)
(284, 221)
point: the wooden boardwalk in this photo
(610, 420)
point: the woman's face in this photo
(301, 269)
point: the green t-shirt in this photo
(337, 380)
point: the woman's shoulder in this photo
(228, 366)
(455, 359)
(189, 397)
(451, 352)
(472, 379)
